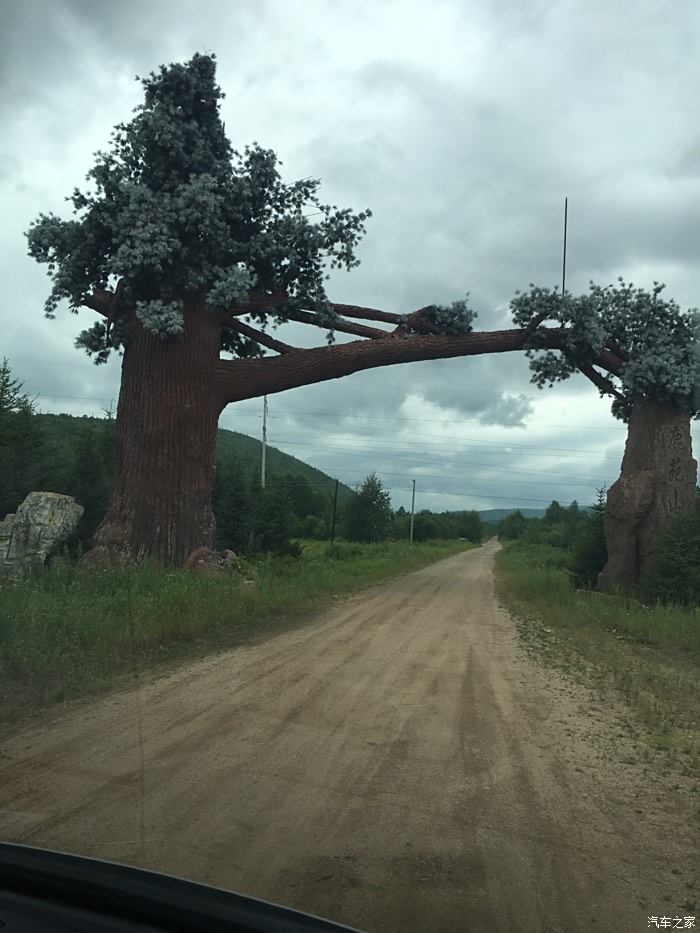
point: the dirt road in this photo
(398, 765)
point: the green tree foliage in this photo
(233, 506)
(432, 526)
(368, 515)
(656, 342)
(83, 469)
(513, 526)
(310, 504)
(554, 513)
(400, 524)
(75, 456)
(426, 527)
(674, 575)
(573, 511)
(576, 533)
(91, 479)
(273, 522)
(20, 443)
(470, 526)
(455, 319)
(590, 551)
(559, 526)
(251, 520)
(247, 452)
(174, 210)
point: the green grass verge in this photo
(649, 654)
(69, 631)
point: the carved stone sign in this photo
(658, 479)
(42, 523)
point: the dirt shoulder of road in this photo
(634, 657)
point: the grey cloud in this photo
(687, 163)
(509, 410)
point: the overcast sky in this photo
(462, 125)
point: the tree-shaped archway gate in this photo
(187, 249)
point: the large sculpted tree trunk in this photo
(658, 478)
(167, 420)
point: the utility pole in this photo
(264, 443)
(563, 262)
(335, 508)
(413, 506)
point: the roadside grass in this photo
(69, 632)
(649, 654)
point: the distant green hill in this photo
(60, 435)
(248, 451)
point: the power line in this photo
(546, 450)
(431, 492)
(469, 440)
(456, 464)
(445, 422)
(460, 438)
(293, 414)
(468, 495)
(523, 482)
(393, 450)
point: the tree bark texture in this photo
(167, 419)
(237, 380)
(658, 479)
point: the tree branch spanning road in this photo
(236, 380)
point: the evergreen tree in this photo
(20, 442)
(590, 552)
(368, 515)
(674, 575)
(274, 523)
(233, 506)
(91, 479)
(573, 512)
(400, 524)
(555, 513)
(471, 527)
(311, 506)
(513, 526)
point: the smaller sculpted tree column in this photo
(649, 351)
(658, 479)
